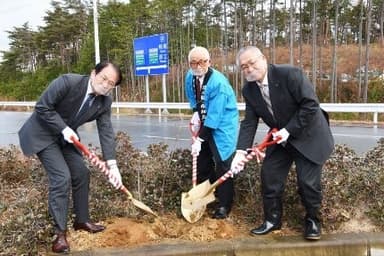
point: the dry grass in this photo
(352, 185)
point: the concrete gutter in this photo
(367, 244)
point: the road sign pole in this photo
(148, 110)
(165, 111)
(151, 58)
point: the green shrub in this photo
(159, 176)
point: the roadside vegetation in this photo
(339, 44)
(352, 185)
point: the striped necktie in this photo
(265, 93)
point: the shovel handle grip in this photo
(194, 133)
(96, 161)
(267, 141)
(81, 147)
(194, 156)
(194, 170)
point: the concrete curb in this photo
(371, 244)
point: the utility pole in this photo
(96, 31)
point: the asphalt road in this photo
(146, 130)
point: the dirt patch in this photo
(127, 232)
(358, 223)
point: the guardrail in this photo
(162, 107)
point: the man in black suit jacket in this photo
(70, 101)
(283, 97)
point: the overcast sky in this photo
(14, 13)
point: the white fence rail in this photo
(162, 108)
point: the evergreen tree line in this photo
(294, 31)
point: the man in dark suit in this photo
(70, 101)
(283, 97)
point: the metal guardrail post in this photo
(375, 119)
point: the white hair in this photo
(254, 49)
(200, 50)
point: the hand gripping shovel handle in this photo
(95, 160)
(194, 157)
(194, 170)
(265, 143)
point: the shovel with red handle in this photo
(198, 197)
(95, 160)
(195, 211)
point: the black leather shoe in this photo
(221, 213)
(265, 228)
(312, 229)
(60, 244)
(89, 227)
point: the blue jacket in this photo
(222, 114)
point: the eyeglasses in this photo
(247, 65)
(250, 63)
(105, 79)
(201, 63)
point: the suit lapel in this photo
(76, 107)
(273, 85)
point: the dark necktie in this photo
(87, 104)
(198, 89)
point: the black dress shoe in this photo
(312, 229)
(89, 227)
(60, 244)
(265, 228)
(221, 213)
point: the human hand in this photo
(114, 176)
(238, 161)
(195, 123)
(258, 154)
(196, 145)
(68, 133)
(283, 134)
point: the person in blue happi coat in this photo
(215, 118)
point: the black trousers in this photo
(66, 171)
(210, 166)
(274, 173)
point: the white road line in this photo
(334, 134)
(357, 135)
(164, 138)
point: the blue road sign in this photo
(151, 55)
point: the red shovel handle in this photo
(80, 146)
(267, 141)
(194, 156)
(95, 160)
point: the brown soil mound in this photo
(127, 232)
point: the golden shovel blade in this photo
(198, 191)
(136, 202)
(142, 206)
(194, 202)
(198, 202)
(190, 214)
